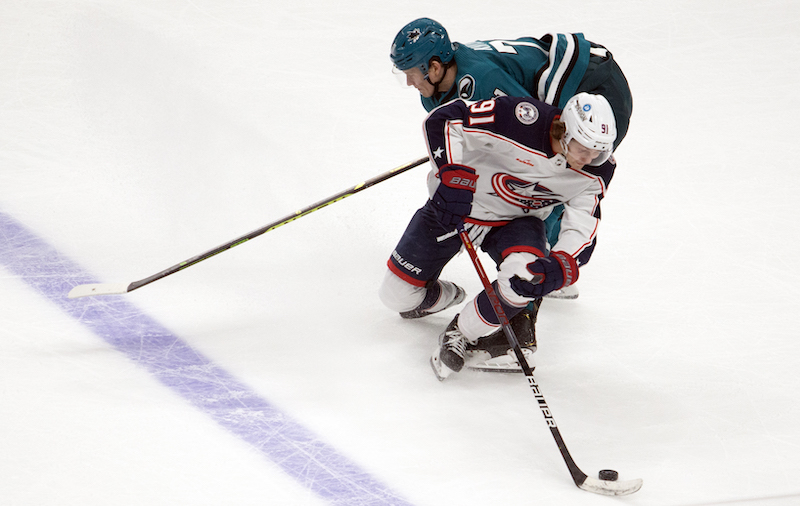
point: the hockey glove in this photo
(549, 274)
(452, 200)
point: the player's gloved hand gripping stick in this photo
(542, 276)
(119, 288)
(452, 200)
(598, 486)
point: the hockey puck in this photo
(608, 475)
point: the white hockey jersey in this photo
(507, 142)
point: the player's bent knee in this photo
(511, 296)
(399, 295)
(514, 265)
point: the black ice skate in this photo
(449, 356)
(440, 296)
(493, 353)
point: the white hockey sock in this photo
(399, 295)
(472, 325)
(448, 293)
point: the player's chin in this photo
(576, 164)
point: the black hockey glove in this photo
(549, 274)
(453, 198)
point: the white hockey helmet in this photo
(589, 120)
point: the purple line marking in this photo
(299, 452)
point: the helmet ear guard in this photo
(589, 120)
(418, 42)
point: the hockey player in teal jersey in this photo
(552, 69)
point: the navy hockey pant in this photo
(421, 254)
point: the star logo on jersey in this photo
(524, 194)
(438, 152)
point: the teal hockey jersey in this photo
(549, 69)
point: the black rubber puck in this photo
(608, 475)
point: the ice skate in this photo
(505, 362)
(567, 293)
(493, 353)
(449, 356)
(441, 295)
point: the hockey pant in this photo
(425, 248)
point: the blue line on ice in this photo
(298, 451)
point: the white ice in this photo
(135, 134)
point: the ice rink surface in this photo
(137, 134)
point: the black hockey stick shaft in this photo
(577, 475)
(104, 289)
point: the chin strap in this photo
(564, 149)
(436, 85)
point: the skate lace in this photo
(456, 343)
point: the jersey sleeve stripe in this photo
(561, 60)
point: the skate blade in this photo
(568, 293)
(504, 364)
(440, 370)
(515, 369)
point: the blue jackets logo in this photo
(524, 194)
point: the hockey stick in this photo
(583, 481)
(120, 288)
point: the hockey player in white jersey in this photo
(551, 68)
(500, 167)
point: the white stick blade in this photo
(604, 487)
(98, 289)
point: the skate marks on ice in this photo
(296, 450)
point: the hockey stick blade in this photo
(582, 481)
(604, 487)
(98, 289)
